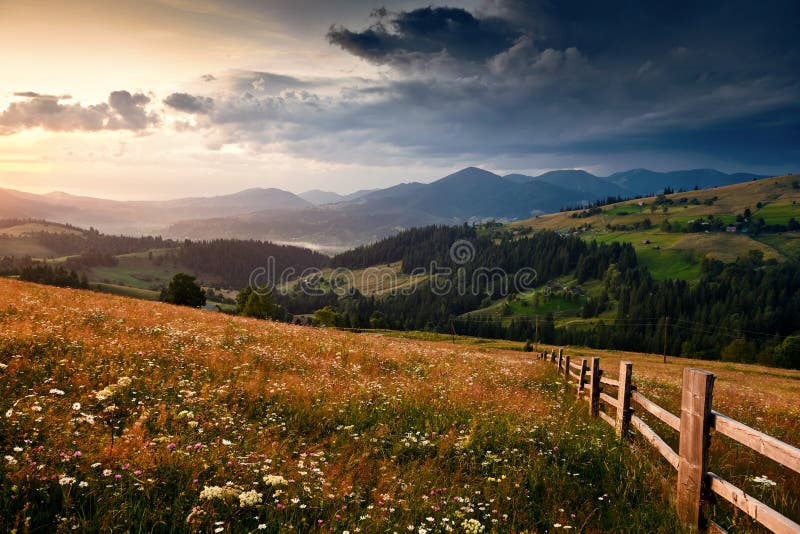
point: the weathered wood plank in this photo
(566, 369)
(772, 448)
(575, 366)
(608, 399)
(665, 416)
(624, 398)
(696, 393)
(607, 418)
(609, 382)
(660, 445)
(582, 377)
(759, 511)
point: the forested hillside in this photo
(742, 311)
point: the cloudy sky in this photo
(166, 98)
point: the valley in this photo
(674, 237)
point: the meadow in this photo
(678, 255)
(121, 414)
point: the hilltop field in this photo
(122, 414)
(676, 254)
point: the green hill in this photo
(673, 233)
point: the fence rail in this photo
(696, 483)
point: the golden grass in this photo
(370, 432)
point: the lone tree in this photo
(183, 291)
(260, 305)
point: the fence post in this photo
(566, 370)
(553, 356)
(693, 450)
(582, 379)
(624, 399)
(594, 402)
(560, 358)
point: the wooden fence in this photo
(696, 484)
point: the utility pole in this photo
(666, 325)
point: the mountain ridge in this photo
(471, 194)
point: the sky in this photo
(168, 98)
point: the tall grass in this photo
(118, 414)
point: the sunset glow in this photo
(338, 96)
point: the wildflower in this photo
(105, 393)
(77, 454)
(262, 526)
(472, 526)
(107, 472)
(83, 484)
(210, 493)
(249, 498)
(17, 449)
(171, 447)
(64, 480)
(10, 459)
(764, 480)
(76, 406)
(9, 413)
(274, 480)
(56, 391)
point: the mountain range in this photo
(331, 221)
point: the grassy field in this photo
(787, 244)
(136, 270)
(780, 201)
(780, 211)
(125, 291)
(377, 280)
(121, 414)
(18, 239)
(28, 228)
(24, 246)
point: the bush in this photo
(183, 291)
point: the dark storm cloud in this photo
(123, 111)
(429, 30)
(563, 77)
(189, 103)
